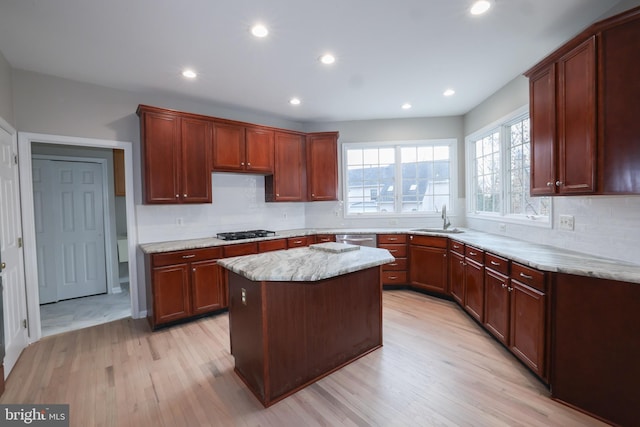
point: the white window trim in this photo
(502, 216)
(453, 176)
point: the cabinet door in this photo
(456, 279)
(228, 147)
(542, 106)
(298, 242)
(259, 150)
(322, 166)
(527, 341)
(496, 314)
(170, 293)
(160, 136)
(286, 183)
(474, 290)
(196, 161)
(428, 268)
(206, 295)
(577, 120)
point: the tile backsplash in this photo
(238, 204)
(607, 226)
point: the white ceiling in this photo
(388, 52)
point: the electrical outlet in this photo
(567, 222)
(179, 221)
(502, 227)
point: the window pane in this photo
(371, 175)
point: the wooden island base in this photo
(287, 335)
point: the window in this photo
(399, 177)
(499, 173)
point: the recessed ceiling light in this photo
(327, 59)
(259, 30)
(449, 92)
(190, 74)
(294, 101)
(406, 106)
(480, 7)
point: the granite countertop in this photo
(306, 264)
(542, 257)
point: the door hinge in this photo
(24, 323)
(19, 242)
(15, 159)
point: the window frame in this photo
(454, 179)
(503, 215)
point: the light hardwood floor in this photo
(437, 368)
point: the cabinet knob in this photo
(248, 164)
(185, 194)
(194, 270)
(241, 163)
(509, 288)
(313, 195)
(559, 183)
(177, 196)
(277, 194)
(549, 184)
(504, 285)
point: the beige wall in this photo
(6, 91)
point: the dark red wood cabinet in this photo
(428, 263)
(395, 273)
(474, 282)
(176, 157)
(585, 132)
(497, 294)
(184, 284)
(239, 148)
(287, 184)
(322, 166)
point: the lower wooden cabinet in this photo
(428, 263)
(474, 282)
(395, 273)
(184, 284)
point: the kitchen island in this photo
(297, 315)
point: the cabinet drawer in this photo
(474, 253)
(431, 241)
(397, 251)
(398, 264)
(496, 263)
(529, 276)
(392, 238)
(179, 257)
(297, 242)
(322, 238)
(241, 249)
(272, 245)
(456, 247)
(394, 277)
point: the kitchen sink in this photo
(439, 230)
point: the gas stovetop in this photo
(249, 234)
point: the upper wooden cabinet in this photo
(322, 166)
(240, 148)
(585, 132)
(287, 182)
(176, 157)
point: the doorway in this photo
(27, 142)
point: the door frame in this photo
(28, 218)
(109, 245)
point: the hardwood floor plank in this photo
(437, 368)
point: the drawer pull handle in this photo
(494, 263)
(504, 285)
(509, 288)
(392, 250)
(456, 247)
(393, 264)
(297, 242)
(188, 256)
(524, 276)
(472, 253)
(392, 239)
(393, 277)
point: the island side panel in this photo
(286, 330)
(344, 319)
(246, 331)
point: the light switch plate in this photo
(567, 222)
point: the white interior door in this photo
(69, 219)
(12, 272)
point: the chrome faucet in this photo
(445, 220)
